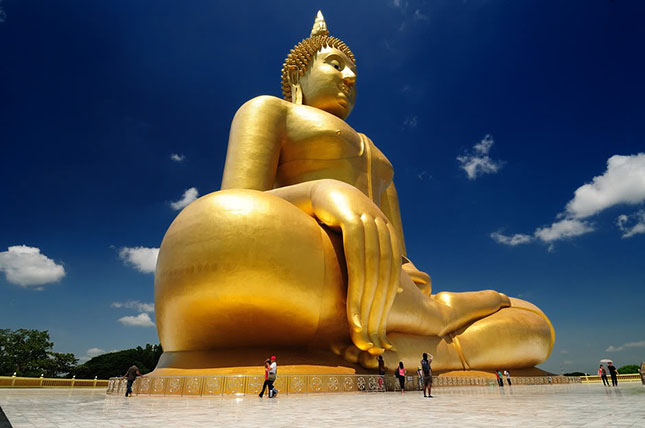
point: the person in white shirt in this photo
(508, 377)
(273, 373)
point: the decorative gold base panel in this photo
(214, 385)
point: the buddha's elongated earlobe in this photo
(296, 90)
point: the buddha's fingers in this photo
(354, 245)
(373, 262)
(393, 286)
(384, 273)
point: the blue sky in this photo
(516, 130)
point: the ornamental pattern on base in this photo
(158, 385)
(297, 384)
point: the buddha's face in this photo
(329, 83)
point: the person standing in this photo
(427, 374)
(267, 383)
(273, 373)
(381, 372)
(602, 374)
(613, 372)
(400, 374)
(500, 382)
(131, 375)
(508, 377)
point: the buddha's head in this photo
(320, 71)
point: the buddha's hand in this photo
(372, 254)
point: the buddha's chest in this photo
(319, 145)
(314, 134)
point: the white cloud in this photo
(142, 258)
(141, 320)
(424, 175)
(476, 161)
(622, 183)
(93, 352)
(624, 346)
(419, 16)
(411, 122)
(135, 304)
(632, 224)
(188, 196)
(562, 229)
(27, 266)
(177, 157)
(514, 240)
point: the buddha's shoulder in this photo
(265, 102)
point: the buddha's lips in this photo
(344, 88)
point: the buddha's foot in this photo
(515, 337)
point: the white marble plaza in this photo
(577, 405)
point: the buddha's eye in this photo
(334, 63)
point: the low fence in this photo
(48, 382)
(621, 378)
(301, 384)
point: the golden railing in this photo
(300, 384)
(621, 378)
(48, 382)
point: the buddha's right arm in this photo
(372, 253)
(254, 144)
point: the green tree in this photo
(113, 364)
(629, 369)
(29, 353)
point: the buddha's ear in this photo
(294, 81)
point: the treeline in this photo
(113, 364)
(30, 353)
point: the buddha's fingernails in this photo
(363, 346)
(361, 342)
(386, 343)
(374, 338)
(356, 321)
(399, 290)
(376, 350)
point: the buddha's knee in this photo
(519, 336)
(242, 267)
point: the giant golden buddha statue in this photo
(301, 253)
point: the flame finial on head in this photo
(320, 27)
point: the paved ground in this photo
(520, 406)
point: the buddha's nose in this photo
(349, 77)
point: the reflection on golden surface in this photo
(302, 253)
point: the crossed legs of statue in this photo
(236, 258)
